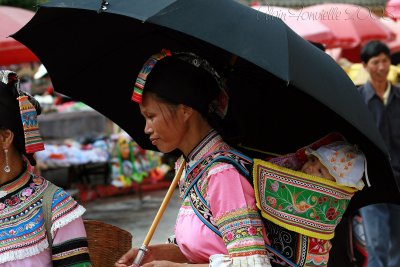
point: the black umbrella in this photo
(285, 93)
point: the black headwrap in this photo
(182, 83)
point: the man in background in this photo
(382, 221)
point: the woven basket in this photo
(107, 243)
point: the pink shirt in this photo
(232, 204)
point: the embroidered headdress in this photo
(19, 112)
(172, 72)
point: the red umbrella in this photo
(392, 9)
(395, 27)
(311, 30)
(353, 25)
(353, 54)
(12, 51)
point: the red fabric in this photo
(11, 51)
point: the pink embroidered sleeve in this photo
(232, 202)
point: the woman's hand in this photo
(128, 258)
(156, 253)
(163, 264)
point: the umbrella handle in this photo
(143, 249)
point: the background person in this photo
(23, 235)
(381, 221)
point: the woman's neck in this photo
(196, 132)
(16, 164)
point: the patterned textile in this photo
(33, 140)
(144, 72)
(239, 227)
(219, 105)
(238, 221)
(299, 202)
(72, 252)
(22, 231)
(291, 245)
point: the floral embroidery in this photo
(319, 246)
(241, 231)
(27, 192)
(299, 202)
(24, 194)
(274, 186)
(318, 252)
(252, 230)
(22, 232)
(230, 236)
(271, 201)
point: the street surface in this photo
(129, 213)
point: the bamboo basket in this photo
(107, 243)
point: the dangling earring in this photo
(7, 167)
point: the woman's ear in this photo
(187, 112)
(6, 138)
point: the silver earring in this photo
(7, 167)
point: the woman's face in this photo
(164, 123)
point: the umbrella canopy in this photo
(392, 9)
(11, 51)
(311, 30)
(284, 92)
(353, 54)
(353, 25)
(395, 27)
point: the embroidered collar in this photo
(16, 183)
(212, 142)
(205, 145)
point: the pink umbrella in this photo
(310, 30)
(353, 54)
(392, 9)
(395, 27)
(11, 51)
(352, 25)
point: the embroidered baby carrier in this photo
(300, 212)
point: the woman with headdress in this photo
(181, 98)
(35, 230)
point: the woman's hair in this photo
(10, 113)
(373, 49)
(174, 81)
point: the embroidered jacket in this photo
(231, 208)
(23, 240)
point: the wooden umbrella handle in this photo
(159, 214)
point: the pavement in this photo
(130, 213)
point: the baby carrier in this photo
(299, 213)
